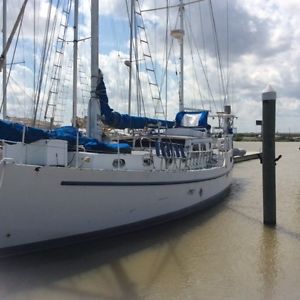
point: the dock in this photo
(247, 156)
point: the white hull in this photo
(59, 185)
(46, 203)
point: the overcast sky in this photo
(263, 42)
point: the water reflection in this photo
(122, 267)
(268, 261)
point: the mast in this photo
(94, 130)
(166, 66)
(4, 81)
(181, 85)
(132, 11)
(6, 46)
(75, 55)
(179, 34)
(34, 50)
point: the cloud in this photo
(263, 43)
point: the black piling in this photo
(269, 175)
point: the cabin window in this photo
(196, 147)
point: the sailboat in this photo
(61, 187)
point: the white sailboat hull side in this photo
(39, 204)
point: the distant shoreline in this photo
(255, 137)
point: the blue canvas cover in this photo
(199, 117)
(12, 131)
(95, 145)
(122, 121)
(69, 133)
(66, 133)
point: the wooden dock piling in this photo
(268, 161)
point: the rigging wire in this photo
(202, 35)
(57, 60)
(203, 43)
(42, 64)
(84, 87)
(132, 19)
(171, 49)
(16, 84)
(66, 8)
(176, 60)
(13, 56)
(228, 53)
(34, 48)
(217, 49)
(192, 57)
(202, 66)
(23, 57)
(65, 92)
(170, 6)
(120, 61)
(49, 55)
(36, 32)
(149, 63)
(167, 60)
(139, 94)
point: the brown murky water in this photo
(223, 253)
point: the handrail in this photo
(11, 142)
(5, 160)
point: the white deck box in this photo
(47, 153)
(15, 151)
(42, 153)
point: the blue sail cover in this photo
(14, 131)
(69, 133)
(122, 121)
(11, 131)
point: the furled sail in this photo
(122, 121)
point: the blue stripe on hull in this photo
(108, 183)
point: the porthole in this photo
(119, 163)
